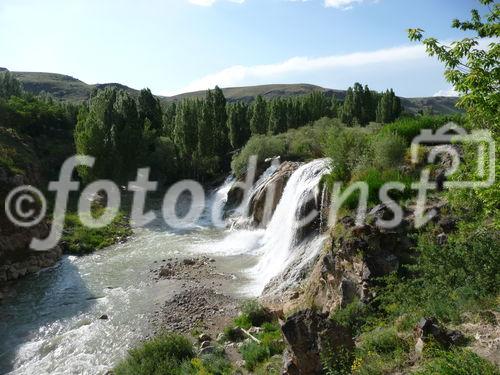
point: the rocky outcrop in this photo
(273, 187)
(272, 190)
(309, 335)
(357, 255)
(16, 258)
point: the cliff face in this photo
(22, 168)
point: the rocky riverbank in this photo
(202, 303)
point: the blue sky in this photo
(174, 46)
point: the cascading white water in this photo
(280, 238)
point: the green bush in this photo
(383, 341)
(302, 144)
(252, 314)
(215, 363)
(409, 127)
(271, 344)
(163, 355)
(458, 362)
(254, 353)
(337, 361)
(352, 316)
(231, 333)
(447, 279)
(347, 147)
(380, 351)
(263, 147)
(388, 151)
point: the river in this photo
(51, 325)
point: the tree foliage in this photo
(472, 63)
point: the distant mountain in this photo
(68, 88)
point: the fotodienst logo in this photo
(26, 206)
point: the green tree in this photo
(220, 126)
(474, 71)
(169, 119)
(93, 135)
(206, 128)
(334, 107)
(150, 108)
(347, 112)
(186, 129)
(126, 133)
(9, 85)
(277, 116)
(239, 127)
(259, 121)
(358, 101)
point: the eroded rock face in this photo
(308, 334)
(16, 258)
(272, 190)
(273, 187)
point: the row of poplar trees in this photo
(362, 106)
(196, 138)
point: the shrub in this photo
(409, 127)
(254, 313)
(337, 361)
(271, 344)
(447, 279)
(382, 341)
(388, 151)
(231, 333)
(380, 351)
(260, 145)
(352, 316)
(211, 364)
(254, 353)
(347, 147)
(164, 355)
(304, 143)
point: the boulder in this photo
(307, 334)
(273, 188)
(429, 328)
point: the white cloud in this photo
(344, 4)
(450, 92)
(209, 3)
(242, 75)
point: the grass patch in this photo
(271, 344)
(163, 355)
(79, 239)
(458, 362)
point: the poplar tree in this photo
(277, 117)
(259, 121)
(150, 108)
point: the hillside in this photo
(62, 86)
(71, 89)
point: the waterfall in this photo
(324, 194)
(279, 245)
